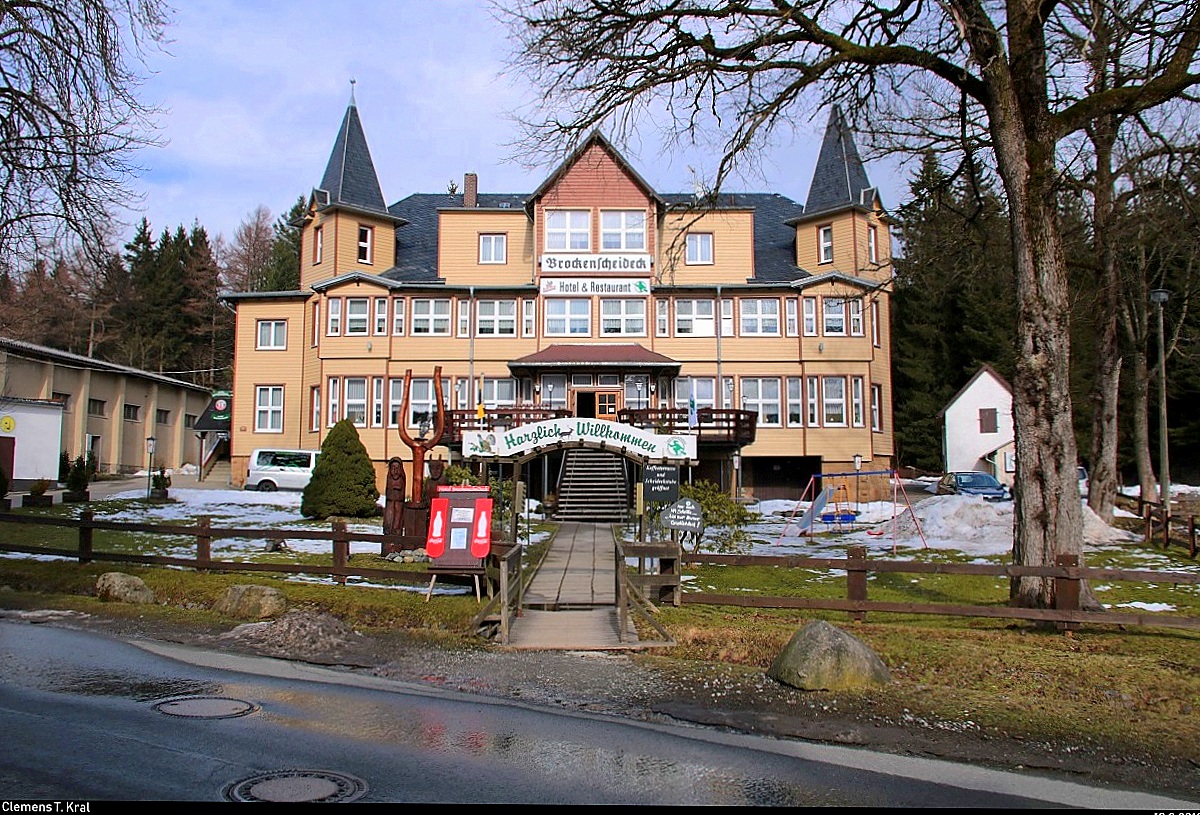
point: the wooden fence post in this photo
(1166, 529)
(204, 540)
(85, 536)
(1192, 535)
(1066, 590)
(1149, 536)
(341, 550)
(856, 578)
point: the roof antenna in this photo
(352, 102)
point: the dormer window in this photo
(366, 240)
(568, 230)
(623, 230)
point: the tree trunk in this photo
(1147, 481)
(1048, 517)
(1102, 484)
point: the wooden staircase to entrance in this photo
(592, 487)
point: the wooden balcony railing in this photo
(716, 426)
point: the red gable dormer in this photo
(595, 179)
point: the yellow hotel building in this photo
(758, 324)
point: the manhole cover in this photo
(205, 707)
(295, 786)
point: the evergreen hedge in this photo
(343, 481)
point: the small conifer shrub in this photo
(343, 480)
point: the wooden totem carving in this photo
(420, 446)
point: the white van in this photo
(272, 470)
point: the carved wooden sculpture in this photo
(421, 446)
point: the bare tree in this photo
(247, 261)
(966, 73)
(70, 118)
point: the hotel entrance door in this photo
(597, 404)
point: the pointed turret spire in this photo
(840, 179)
(350, 177)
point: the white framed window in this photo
(625, 317)
(529, 318)
(496, 318)
(316, 324)
(662, 317)
(335, 394)
(318, 244)
(791, 318)
(430, 318)
(464, 318)
(461, 386)
(554, 390)
(695, 318)
(795, 401)
(726, 318)
(568, 230)
(877, 407)
(499, 392)
(395, 401)
(272, 335)
(873, 244)
(381, 316)
(377, 401)
(333, 323)
(833, 389)
(857, 417)
(856, 317)
(761, 394)
(357, 316)
(568, 317)
(623, 230)
(268, 409)
(759, 316)
(314, 408)
(398, 316)
(834, 311)
(703, 388)
(699, 249)
(825, 244)
(356, 400)
(810, 316)
(493, 248)
(727, 392)
(422, 403)
(875, 339)
(366, 243)
(812, 419)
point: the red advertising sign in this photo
(439, 522)
(481, 529)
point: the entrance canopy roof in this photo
(589, 356)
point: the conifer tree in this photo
(343, 480)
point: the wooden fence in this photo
(1152, 512)
(204, 534)
(1067, 574)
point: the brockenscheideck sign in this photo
(527, 439)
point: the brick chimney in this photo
(470, 190)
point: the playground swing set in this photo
(830, 505)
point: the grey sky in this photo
(253, 92)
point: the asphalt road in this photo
(87, 717)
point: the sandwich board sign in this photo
(684, 515)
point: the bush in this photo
(39, 487)
(161, 480)
(77, 476)
(343, 482)
(722, 514)
(64, 466)
(460, 476)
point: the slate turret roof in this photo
(350, 179)
(839, 179)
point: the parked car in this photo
(972, 483)
(271, 470)
(1083, 481)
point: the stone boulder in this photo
(823, 657)
(118, 587)
(250, 602)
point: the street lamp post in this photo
(150, 442)
(1159, 297)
